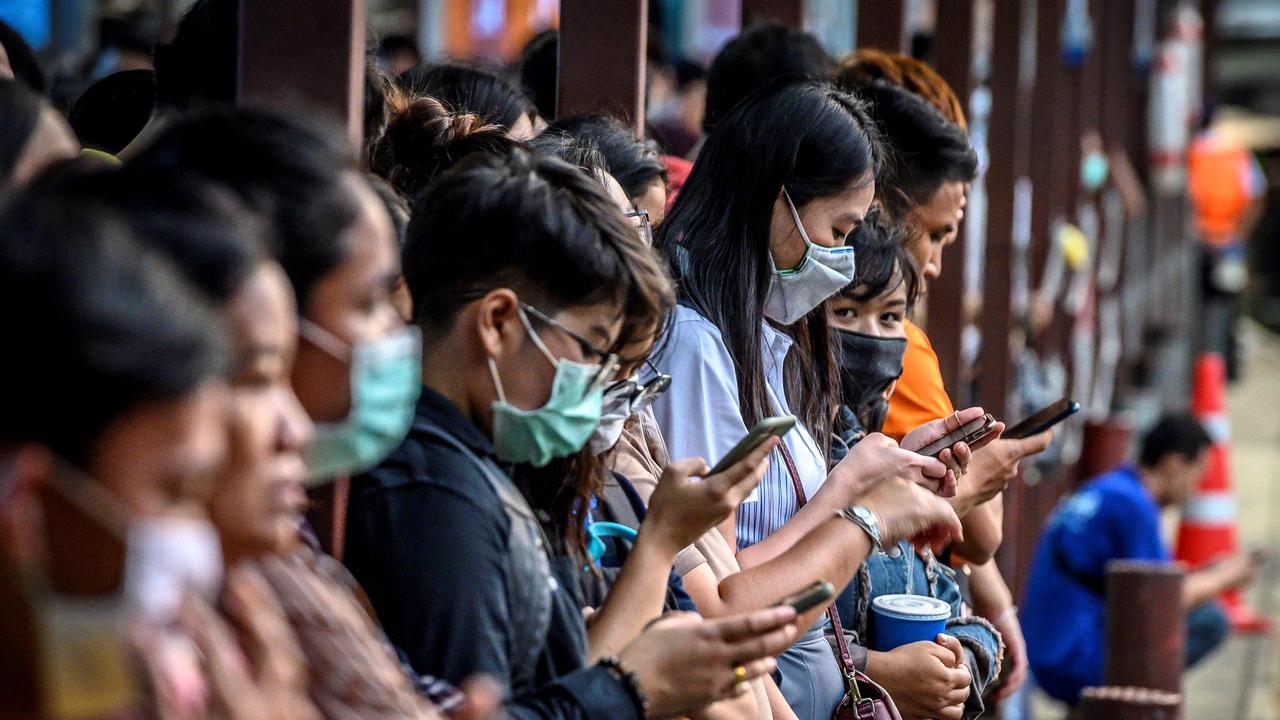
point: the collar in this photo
(776, 344)
(435, 409)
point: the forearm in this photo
(742, 707)
(635, 598)
(983, 531)
(832, 552)
(814, 513)
(1201, 586)
(991, 594)
(777, 703)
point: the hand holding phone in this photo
(969, 433)
(763, 430)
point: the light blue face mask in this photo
(563, 424)
(1093, 171)
(822, 272)
(386, 379)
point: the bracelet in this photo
(1012, 611)
(629, 681)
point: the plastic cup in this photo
(898, 620)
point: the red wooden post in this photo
(311, 51)
(1146, 633)
(946, 318)
(882, 24)
(1128, 703)
(787, 12)
(602, 59)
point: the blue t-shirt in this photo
(1112, 517)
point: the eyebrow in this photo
(896, 302)
(849, 217)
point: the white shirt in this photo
(700, 417)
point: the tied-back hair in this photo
(469, 89)
(812, 139)
(883, 262)
(423, 138)
(927, 149)
(545, 229)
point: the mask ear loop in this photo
(808, 244)
(537, 341)
(326, 341)
(497, 384)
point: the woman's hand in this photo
(995, 467)
(927, 680)
(685, 662)
(906, 511)
(958, 456)
(876, 459)
(681, 510)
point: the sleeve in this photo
(983, 652)
(591, 692)
(919, 395)
(699, 415)
(446, 610)
(1085, 541)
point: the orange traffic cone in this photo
(1208, 529)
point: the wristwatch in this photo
(865, 519)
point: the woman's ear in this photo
(497, 322)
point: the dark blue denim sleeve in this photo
(592, 693)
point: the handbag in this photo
(863, 698)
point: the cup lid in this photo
(912, 607)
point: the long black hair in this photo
(811, 138)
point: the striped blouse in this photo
(699, 416)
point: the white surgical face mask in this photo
(822, 272)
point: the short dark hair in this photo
(104, 323)
(20, 109)
(292, 171)
(111, 112)
(467, 89)
(1179, 434)
(529, 221)
(883, 262)
(201, 64)
(925, 149)
(581, 153)
(26, 67)
(761, 53)
(631, 160)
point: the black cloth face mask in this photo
(868, 366)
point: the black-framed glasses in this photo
(645, 228)
(641, 395)
(608, 361)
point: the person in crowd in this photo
(397, 207)
(634, 163)
(517, 324)
(424, 137)
(110, 113)
(537, 69)
(677, 123)
(106, 546)
(467, 89)
(759, 54)
(934, 160)
(33, 134)
(869, 317)
(757, 243)
(1116, 516)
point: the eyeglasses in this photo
(641, 395)
(646, 228)
(608, 361)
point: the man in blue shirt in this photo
(1116, 516)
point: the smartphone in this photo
(1043, 419)
(970, 432)
(816, 594)
(765, 429)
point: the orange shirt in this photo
(919, 395)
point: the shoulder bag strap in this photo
(842, 653)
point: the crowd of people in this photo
(425, 428)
